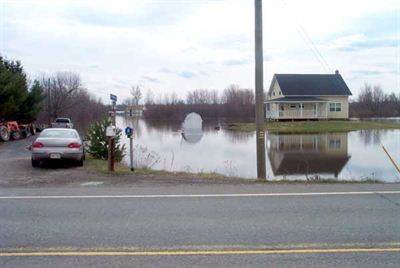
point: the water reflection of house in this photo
(134, 110)
(303, 154)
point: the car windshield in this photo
(58, 134)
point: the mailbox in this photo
(110, 131)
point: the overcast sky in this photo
(181, 45)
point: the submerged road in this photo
(298, 227)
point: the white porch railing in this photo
(296, 114)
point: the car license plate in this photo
(55, 156)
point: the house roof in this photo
(297, 99)
(296, 163)
(312, 84)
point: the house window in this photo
(335, 107)
(293, 105)
(334, 143)
(280, 93)
(273, 93)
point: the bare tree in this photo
(174, 98)
(149, 97)
(65, 96)
(136, 94)
(61, 90)
(373, 101)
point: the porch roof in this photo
(296, 100)
(299, 163)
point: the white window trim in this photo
(335, 107)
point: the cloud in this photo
(165, 70)
(183, 45)
(186, 74)
(150, 79)
(235, 62)
(361, 41)
(183, 74)
(368, 72)
(131, 14)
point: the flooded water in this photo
(355, 155)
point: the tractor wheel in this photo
(4, 133)
(24, 133)
(16, 135)
(32, 130)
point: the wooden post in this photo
(391, 159)
(111, 143)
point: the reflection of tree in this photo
(176, 125)
(163, 125)
(371, 136)
(238, 136)
(134, 123)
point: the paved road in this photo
(333, 229)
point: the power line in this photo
(305, 36)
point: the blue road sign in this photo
(113, 97)
(128, 131)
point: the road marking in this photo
(195, 195)
(202, 252)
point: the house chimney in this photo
(337, 72)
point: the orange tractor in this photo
(13, 130)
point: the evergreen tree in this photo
(98, 141)
(32, 105)
(16, 101)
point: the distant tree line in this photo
(46, 98)
(373, 102)
(233, 102)
(18, 100)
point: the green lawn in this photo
(315, 126)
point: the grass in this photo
(100, 166)
(315, 126)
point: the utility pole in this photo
(260, 134)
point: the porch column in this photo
(301, 110)
(326, 110)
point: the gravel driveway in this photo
(16, 169)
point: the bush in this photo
(98, 141)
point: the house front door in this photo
(315, 109)
(281, 110)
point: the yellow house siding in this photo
(275, 90)
(344, 101)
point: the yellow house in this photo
(308, 154)
(307, 96)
